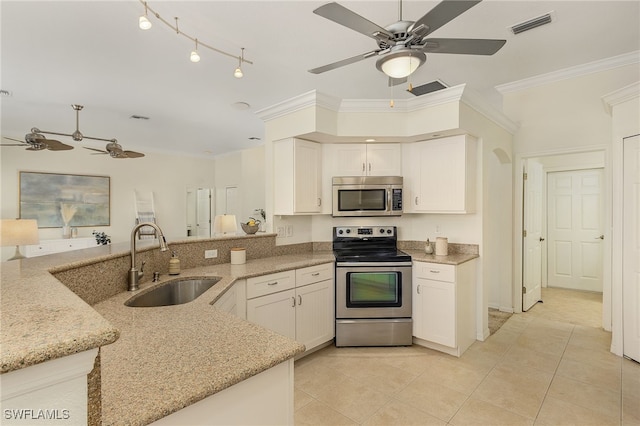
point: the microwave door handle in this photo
(389, 200)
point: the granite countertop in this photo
(173, 356)
(450, 259)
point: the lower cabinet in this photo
(303, 312)
(444, 306)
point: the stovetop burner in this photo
(367, 244)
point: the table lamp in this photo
(18, 232)
(225, 224)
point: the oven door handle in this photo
(369, 264)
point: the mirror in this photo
(199, 208)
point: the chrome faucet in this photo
(134, 274)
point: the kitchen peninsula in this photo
(166, 358)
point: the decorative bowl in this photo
(250, 229)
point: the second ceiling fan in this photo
(402, 45)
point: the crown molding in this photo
(297, 103)
(571, 72)
(459, 93)
(619, 96)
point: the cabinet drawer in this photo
(314, 274)
(435, 271)
(272, 283)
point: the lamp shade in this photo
(224, 224)
(401, 63)
(18, 232)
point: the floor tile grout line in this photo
(555, 371)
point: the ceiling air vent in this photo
(428, 88)
(532, 23)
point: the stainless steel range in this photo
(373, 287)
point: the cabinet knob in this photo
(273, 283)
(416, 201)
(299, 300)
(293, 302)
(315, 274)
(369, 166)
(363, 169)
(418, 289)
(319, 202)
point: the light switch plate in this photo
(289, 230)
(280, 231)
(210, 254)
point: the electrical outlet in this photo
(280, 231)
(210, 254)
(289, 230)
(437, 229)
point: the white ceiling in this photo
(55, 54)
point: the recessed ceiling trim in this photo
(571, 72)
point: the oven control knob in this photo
(340, 231)
(388, 231)
(348, 231)
(382, 230)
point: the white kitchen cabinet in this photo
(444, 306)
(440, 175)
(381, 159)
(59, 246)
(303, 312)
(297, 177)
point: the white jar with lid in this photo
(442, 246)
(238, 256)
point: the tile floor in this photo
(536, 369)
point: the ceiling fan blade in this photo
(54, 145)
(343, 16)
(343, 62)
(468, 46)
(397, 81)
(131, 154)
(444, 12)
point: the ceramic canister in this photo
(238, 256)
(442, 246)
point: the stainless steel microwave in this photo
(367, 196)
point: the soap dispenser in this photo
(174, 264)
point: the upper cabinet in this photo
(440, 175)
(381, 159)
(297, 176)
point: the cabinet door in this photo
(384, 159)
(233, 301)
(443, 176)
(314, 313)
(275, 311)
(307, 177)
(437, 311)
(349, 159)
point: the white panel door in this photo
(203, 213)
(631, 248)
(532, 240)
(575, 224)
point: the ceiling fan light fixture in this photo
(401, 63)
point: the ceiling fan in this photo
(402, 45)
(114, 149)
(38, 142)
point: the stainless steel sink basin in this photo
(173, 293)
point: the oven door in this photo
(373, 290)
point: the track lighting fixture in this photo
(194, 54)
(238, 72)
(144, 22)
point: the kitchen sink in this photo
(174, 292)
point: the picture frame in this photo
(50, 198)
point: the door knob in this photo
(601, 237)
(541, 239)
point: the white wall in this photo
(563, 117)
(167, 176)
